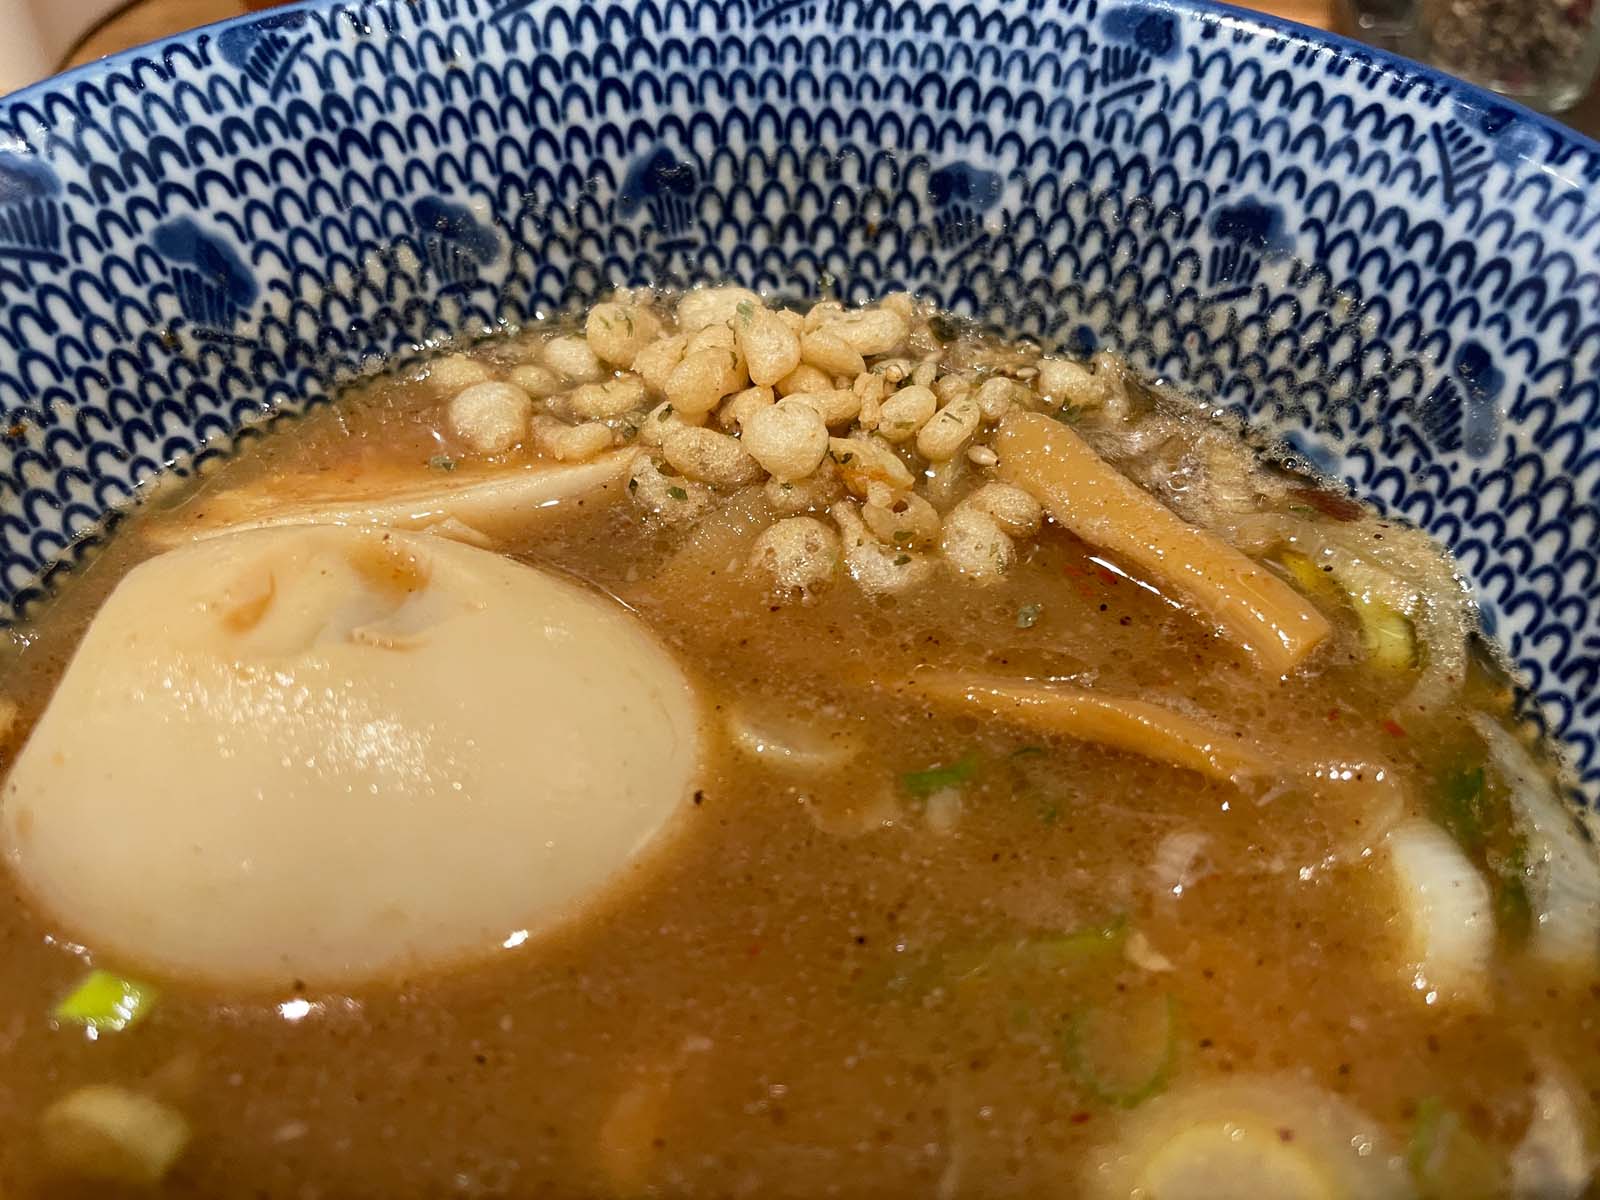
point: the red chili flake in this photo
(755, 949)
(1079, 1118)
(1285, 1134)
(1393, 728)
(1109, 578)
(1333, 714)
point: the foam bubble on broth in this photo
(325, 753)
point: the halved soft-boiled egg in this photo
(325, 753)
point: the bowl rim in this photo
(1253, 21)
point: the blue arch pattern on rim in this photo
(1394, 272)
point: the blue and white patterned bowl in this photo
(1399, 273)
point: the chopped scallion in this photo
(1459, 804)
(922, 784)
(1125, 1055)
(106, 1003)
(1446, 1160)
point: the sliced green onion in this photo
(1458, 804)
(1388, 635)
(1126, 1055)
(1445, 1159)
(1481, 822)
(922, 784)
(106, 1003)
(1513, 908)
(1432, 1116)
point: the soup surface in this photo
(1077, 803)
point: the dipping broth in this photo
(971, 773)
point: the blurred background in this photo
(1541, 52)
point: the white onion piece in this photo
(489, 502)
(1449, 910)
(1180, 862)
(1553, 1160)
(1354, 805)
(803, 744)
(942, 811)
(856, 814)
(1138, 950)
(1563, 871)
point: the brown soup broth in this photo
(830, 984)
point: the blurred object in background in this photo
(1541, 52)
(39, 32)
(1389, 24)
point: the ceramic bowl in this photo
(1397, 273)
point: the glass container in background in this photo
(1389, 24)
(1541, 52)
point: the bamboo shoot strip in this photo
(1136, 726)
(1251, 606)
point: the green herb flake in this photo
(922, 784)
(1425, 1139)
(1124, 1056)
(1049, 813)
(1446, 1159)
(442, 462)
(665, 413)
(901, 560)
(1460, 805)
(1028, 615)
(746, 311)
(1070, 414)
(106, 1003)
(1029, 752)
(1513, 911)
(677, 493)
